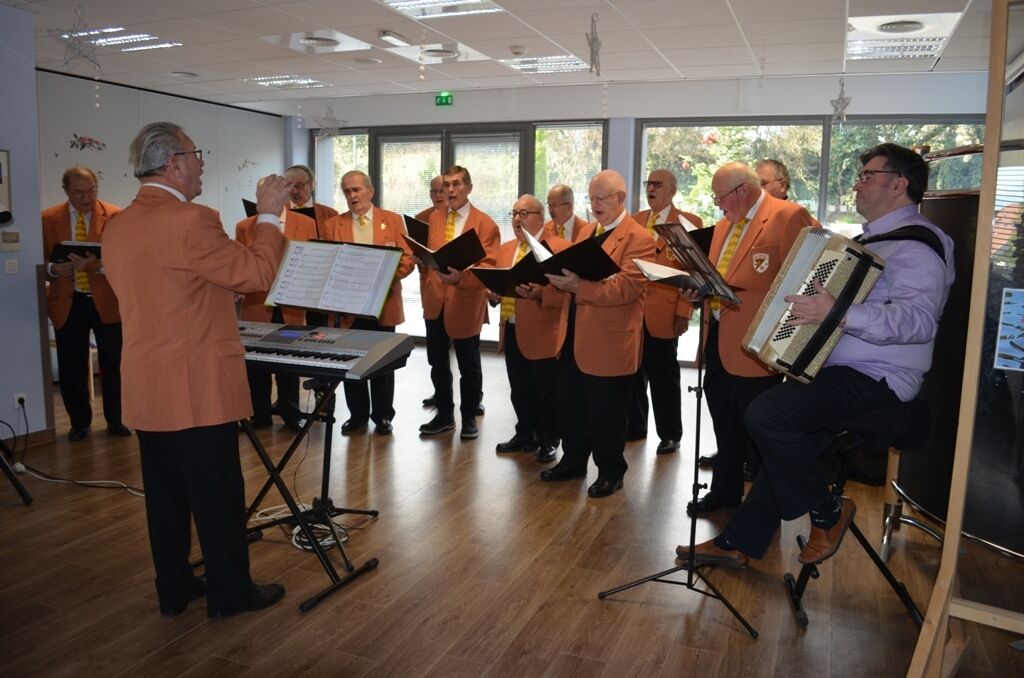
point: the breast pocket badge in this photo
(761, 261)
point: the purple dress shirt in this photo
(891, 335)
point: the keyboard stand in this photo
(323, 509)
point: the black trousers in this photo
(533, 385)
(467, 354)
(592, 414)
(793, 424)
(728, 398)
(73, 362)
(196, 473)
(660, 369)
(373, 399)
(259, 387)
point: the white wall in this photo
(879, 94)
(239, 146)
(21, 367)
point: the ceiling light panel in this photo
(287, 82)
(923, 35)
(564, 63)
(321, 41)
(430, 53)
(442, 9)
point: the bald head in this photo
(660, 187)
(607, 196)
(736, 187)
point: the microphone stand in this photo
(694, 570)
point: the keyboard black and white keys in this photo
(309, 351)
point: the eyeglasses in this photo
(864, 176)
(553, 205)
(523, 214)
(300, 184)
(601, 198)
(717, 199)
(83, 194)
(768, 182)
(654, 184)
(196, 152)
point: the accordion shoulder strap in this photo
(918, 232)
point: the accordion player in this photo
(846, 269)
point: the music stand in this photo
(711, 283)
(5, 465)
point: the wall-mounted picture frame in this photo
(5, 188)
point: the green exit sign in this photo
(444, 99)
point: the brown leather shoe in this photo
(822, 544)
(709, 553)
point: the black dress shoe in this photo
(383, 427)
(439, 424)
(293, 424)
(546, 454)
(469, 430)
(604, 487)
(707, 461)
(480, 410)
(667, 447)
(261, 422)
(430, 402)
(260, 596)
(712, 502)
(562, 471)
(78, 433)
(197, 592)
(516, 444)
(353, 426)
(118, 429)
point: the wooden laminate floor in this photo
(484, 571)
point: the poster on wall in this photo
(5, 188)
(1010, 346)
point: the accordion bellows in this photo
(843, 267)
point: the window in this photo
(336, 155)
(567, 154)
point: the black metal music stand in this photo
(9, 472)
(711, 285)
(323, 509)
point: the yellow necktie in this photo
(362, 221)
(651, 222)
(600, 229)
(449, 228)
(560, 230)
(727, 253)
(508, 304)
(81, 234)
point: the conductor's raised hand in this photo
(813, 309)
(272, 194)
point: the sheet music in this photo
(540, 252)
(347, 278)
(687, 224)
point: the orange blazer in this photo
(60, 291)
(665, 303)
(754, 265)
(176, 272)
(323, 215)
(388, 228)
(577, 228)
(540, 323)
(610, 312)
(465, 304)
(296, 227)
(424, 215)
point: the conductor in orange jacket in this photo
(175, 272)
(602, 346)
(79, 299)
(369, 225)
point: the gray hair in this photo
(562, 192)
(357, 173)
(780, 170)
(301, 168)
(534, 202)
(152, 146)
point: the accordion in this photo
(846, 269)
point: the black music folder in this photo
(694, 261)
(459, 254)
(62, 249)
(417, 230)
(503, 281)
(702, 237)
(585, 258)
(251, 211)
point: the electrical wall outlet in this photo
(20, 400)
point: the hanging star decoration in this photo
(76, 40)
(839, 104)
(328, 125)
(595, 46)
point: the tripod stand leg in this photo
(313, 601)
(654, 577)
(26, 498)
(725, 601)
